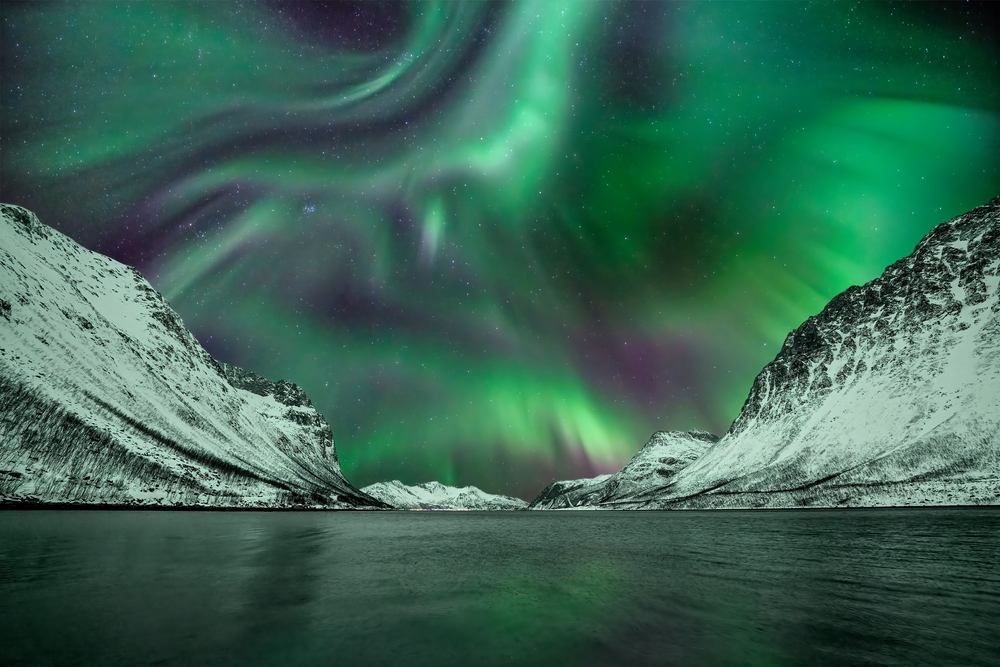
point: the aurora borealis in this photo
(499, 244)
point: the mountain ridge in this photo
(107, 399)
(434, 495)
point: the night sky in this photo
(499, 244)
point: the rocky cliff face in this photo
(646, 475)
(434, 495)
(888, 397)
(105, 397)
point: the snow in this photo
(915, 420)
(649, 471)
(434, 495)
(108, 399)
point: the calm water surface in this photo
(863, 587)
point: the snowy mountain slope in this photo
(570, 493)
(665, 455)
(106, 398)
(433, 495)
(659, 460)
(889, 396)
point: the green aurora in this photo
(499, 244)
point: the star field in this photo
(500, 243)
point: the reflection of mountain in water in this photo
(707, 589)
(105, 397)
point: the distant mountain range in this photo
(106, 399)
(433, 495)
(889, 396)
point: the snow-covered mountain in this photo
(570, 494)
(433, 495)
(888, 397)
(105, 397)
(649, 471)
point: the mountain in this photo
(433, 495)
(659, 460)
(888, 397)
(571, 494)
(105, 397)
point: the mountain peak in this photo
(887, 396)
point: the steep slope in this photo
(890, 396)
(105, 397)
(433, 495)
(649, 471)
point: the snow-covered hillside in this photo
(649, 471)
(105, 397)
(433, 495)
(888, 397)
(570, 493)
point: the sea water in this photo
(802, 587)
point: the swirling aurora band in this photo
(500, 243)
